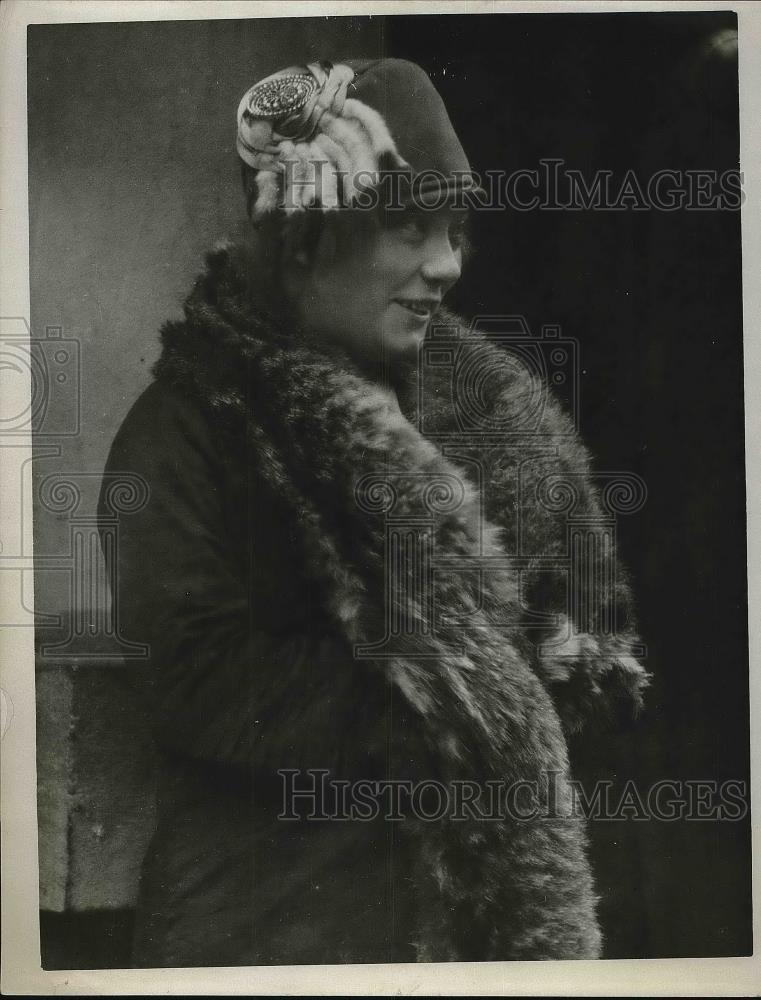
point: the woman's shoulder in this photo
(165, 420)
(162, 400)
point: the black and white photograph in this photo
(382, 535)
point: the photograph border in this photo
(21, 973)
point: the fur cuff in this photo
(588, 675)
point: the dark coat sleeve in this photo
(237, 673)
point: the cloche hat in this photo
(331, 135)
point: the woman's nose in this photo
(442, 263)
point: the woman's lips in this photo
(422, 308)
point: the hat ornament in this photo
(310, 143)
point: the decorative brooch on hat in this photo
(309, 142)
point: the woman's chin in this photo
(405, 341)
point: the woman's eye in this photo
(413, 229)
(416, 228)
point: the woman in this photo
(325, 584)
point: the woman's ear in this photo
(301, 240)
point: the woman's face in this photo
(377, 296)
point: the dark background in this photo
(655, 300)
(133, 175)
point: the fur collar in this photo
(350, 461)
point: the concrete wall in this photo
(133, 175)
(96, 783)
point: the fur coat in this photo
(488, 662)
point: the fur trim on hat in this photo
(330, 170)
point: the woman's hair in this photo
(281, 238)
